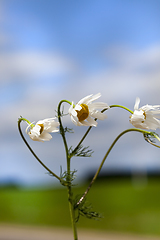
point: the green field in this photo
(125, 208)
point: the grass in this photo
(125, 208)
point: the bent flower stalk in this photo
(85, 112)
(40, 131)
(145, 117)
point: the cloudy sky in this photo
(54, 50)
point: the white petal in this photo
(98, 115)
(98, 105)
(147, 108)
(52, 127)
(47, 120)
(36, 129)
(74, 119)
(153, 109)
(91, 121)
(93, 98)
(34, 136)
(89, 99)
(152, 122)
(78, 107)
(74, 113)
(85, 99)
(45, 136)
(70, 109)
(137, 118)
(136, 106)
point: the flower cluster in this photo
(86, 112)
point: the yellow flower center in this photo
(42, 128)
(83, 113)
(144, 114)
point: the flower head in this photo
(146, 116)
(85, 112)
(40, 131)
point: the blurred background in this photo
(53, 50)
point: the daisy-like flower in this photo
(146, 116)
(85, 112)
(40, 131)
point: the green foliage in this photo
(150, 137)
(127, 206)
(81, 151)
(69, 130)
(85, 209)
(67, 179)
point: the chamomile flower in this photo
(85, 112)
(40, 131)
(145, 117)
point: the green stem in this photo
(122, 107)
(88, 130)
(106, 155)
(68, 157)
(62, 132)
(70, 200)
(26, 120)
(19, 128)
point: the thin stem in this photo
(70, 200)
(61, 126)
(106, 155)
(68, 157)
(19, 128)
(122, 107)
(88, 130)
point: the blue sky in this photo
(53, 50)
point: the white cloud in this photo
(29, 65)
(132, 74)
(129, 73)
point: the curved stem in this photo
(122, 107)
(19, 128)
(106, 155)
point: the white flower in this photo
(146, 116)
(84, 112)
(40, 131)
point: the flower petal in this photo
(85, 100)
(98, 115)
(91, 122)
(45, 136)
(98, 105)
(136, 106)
